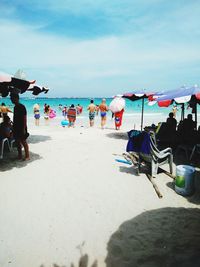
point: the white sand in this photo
(72, 191)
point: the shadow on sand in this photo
(34, 139)
(11, 161)
(118, 135)
(157, 238)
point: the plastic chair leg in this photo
(2, 146)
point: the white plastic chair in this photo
(3, 141)
(196, 149)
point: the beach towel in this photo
(138, 142)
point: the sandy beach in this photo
(73, 198)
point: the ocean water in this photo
(132, 108)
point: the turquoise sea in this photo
(132, 107)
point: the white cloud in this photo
(92, 64)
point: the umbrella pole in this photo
(142, 117)
(182, 111)
(196, 115)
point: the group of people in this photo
(103, 109)
(172, 133)
(48, 113)
(79, 109)
(70, 113)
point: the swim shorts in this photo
(91, 115)
(103, 114)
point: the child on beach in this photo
(103, 112)
(64, 112)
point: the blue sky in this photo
(102, 47)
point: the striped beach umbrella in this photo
(136, 95)
(182, 95)
(37, 89)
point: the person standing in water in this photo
(36, 111)
(92, 110)
(71, 115)
(103, 112)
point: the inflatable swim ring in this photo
(64, 123)
(52, 114)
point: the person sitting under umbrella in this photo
(171, 123)
(186, 130)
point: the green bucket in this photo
(184, 182)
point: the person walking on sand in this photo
(103, 112)
(92, 110)
(4, 110)
(118, 119)
(36, 111)
(71, 115)
(20, 126)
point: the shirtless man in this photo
(103, 111)
(4, 110)
(92, 110)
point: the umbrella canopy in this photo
(181, 95)
(36, 89)
(10, 84)
(133, 96)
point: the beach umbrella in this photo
(10, 84)
(20, 74)
(182, 95)
(117, 104)
(37, 89)
(142, 94)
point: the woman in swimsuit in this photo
(103, 111)
(36, 111)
